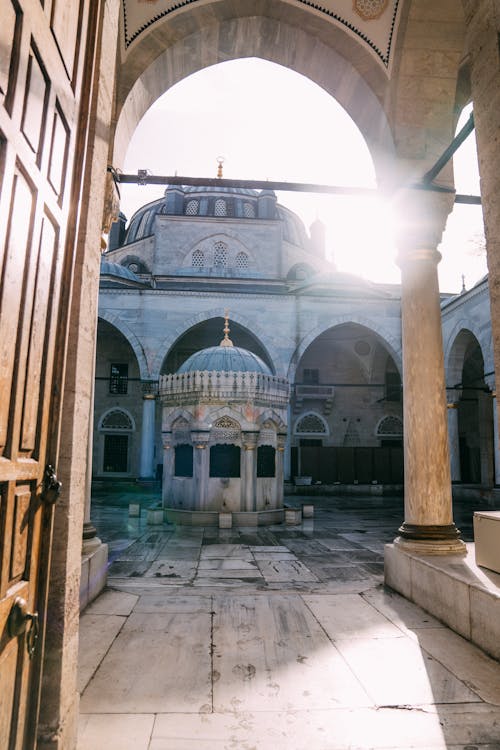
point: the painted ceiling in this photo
(371, 21)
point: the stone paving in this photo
(279, 637)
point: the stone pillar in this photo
(483, 28)
(280, 479)
(453, 441)
(146, 470)
(288, 448)
(168, 469)
(249, 473)
(485, 418)
(428, 527)
(201, 457)
(496, 447)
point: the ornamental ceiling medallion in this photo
(370, 10)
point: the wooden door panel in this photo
(18, 245)
(41, 47)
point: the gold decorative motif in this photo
(226, 341)
(370, 10)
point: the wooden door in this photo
(42, 51)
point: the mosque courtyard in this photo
(277, 637)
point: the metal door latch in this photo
(21, 621)
(51, 487)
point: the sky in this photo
(269, 122)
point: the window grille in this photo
(118, 379)
(192, 208)
(220, 255)
(220, 207)
(117, 420)
(249, 210)
(242, 260)
(198, 260)
(390, 427)
(310, 423)
(115, 454)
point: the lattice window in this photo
(226, 430)
(198, 259)
(226, 422)
(220, 207)
(192, 208)
(390, 427)
(241, 260)
(117, 420)
(115, 458)
(118, 378)
(225, 461)
(249, 210)
(310, 424)
(220, 255)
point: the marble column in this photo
(146, 470)
(485, 418)
(428, 526)
(280, 479)
(453, 438)
(496, 454)
(168, 469)
(287, 463)
(201, 465)
(249, 473)
(482, 34)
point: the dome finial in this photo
(220, 162)
(226, 341)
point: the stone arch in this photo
(316, 419)
(270, 346)
(455, 349)
(272, 416)
(156, 64)
(178, 413)
(131, 338)
(386, 339)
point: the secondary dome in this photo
(224, 359)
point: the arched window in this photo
(220, 207)
(311, 424)
(192, 208)
(198, 259)
(241, 261)
(220, 255)
(249, 210)
(117, 420)
(390, 427)
(183, 461)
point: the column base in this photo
(430, 540)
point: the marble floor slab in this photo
(274, 638)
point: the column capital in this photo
(249, 440)
(149, 389)
(166, 440)
(421, 217)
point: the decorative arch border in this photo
(109, 411)
(259, 333)
(173, 416)
(482, 337)
(274, 417)
(132, 339)
(392, 344)
(311, 414)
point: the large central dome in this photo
(224, 359)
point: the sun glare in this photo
(272, 123)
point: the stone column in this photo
(485, 418)
(168, 468)
(200, 469)
(280, 479)
(453, 441)
(249, 473)
(146, 470)
(288, 448)
(490, 382)
(483, 28)
(428, 527)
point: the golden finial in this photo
(220, 162)
(226, 341)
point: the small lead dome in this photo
(225, 359)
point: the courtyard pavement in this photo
(271, 638)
